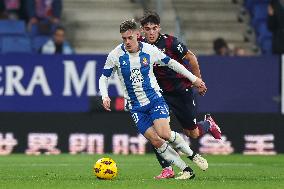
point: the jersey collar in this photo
(139, 44)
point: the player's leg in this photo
(160, 116)
(175, 139)
(186, 115)
(167, 152)
(203, 127)
(184, 108)
(163, 127)
(167, 170)
(144, 122)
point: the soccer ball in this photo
(105, 168)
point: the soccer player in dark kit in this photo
(177, 91)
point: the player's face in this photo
(151, 32)
(130, 40)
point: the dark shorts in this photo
(183, 106)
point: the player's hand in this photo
(106, 103)
(202, 90)
(200, 85)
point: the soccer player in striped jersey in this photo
(133, 61)
(177, 89)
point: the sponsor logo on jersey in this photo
(136, 76)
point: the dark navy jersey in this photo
(168, 79)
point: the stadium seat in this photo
(266, 46)
(19, 44)
(259, 15)
(11, 27)
(43, 28)
(39, 41)
(249, 4)
(263, 32)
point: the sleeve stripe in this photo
(107, 72)
(166, 60)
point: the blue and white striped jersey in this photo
(135, 71)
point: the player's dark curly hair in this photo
(150, 17)
(127, 25)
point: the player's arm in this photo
(196, 81)
(103, 86)
(190, 56)
(163, 59)
(192, 59)
(182, 52)
(177, 67)
(103, 82)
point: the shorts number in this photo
(135, 117)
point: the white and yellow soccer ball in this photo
(105, 168)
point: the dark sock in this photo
(191, 157)
(188, 169)
(203, 127)
(161, 160)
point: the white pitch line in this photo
(231, 164)
(41, 165)
(138, 164)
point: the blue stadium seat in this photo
(12, 27)
(39, 41)
(266, 46)
(19, 44)
(37, 29)
(259, 15)
(263, 33)
(249, 4)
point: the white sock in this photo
(170, 155)
(178, 142)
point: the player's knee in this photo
(165, 135)
(157, 142)
(192, 133)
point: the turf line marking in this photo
(232, 164)
(42, 165)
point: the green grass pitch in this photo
(137, 171)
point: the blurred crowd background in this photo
(221, 27)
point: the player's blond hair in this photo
(128, 25)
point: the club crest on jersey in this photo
(145, 61)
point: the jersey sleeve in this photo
(108, 70)
(109, 67)
(161, 58)
(179, 48)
